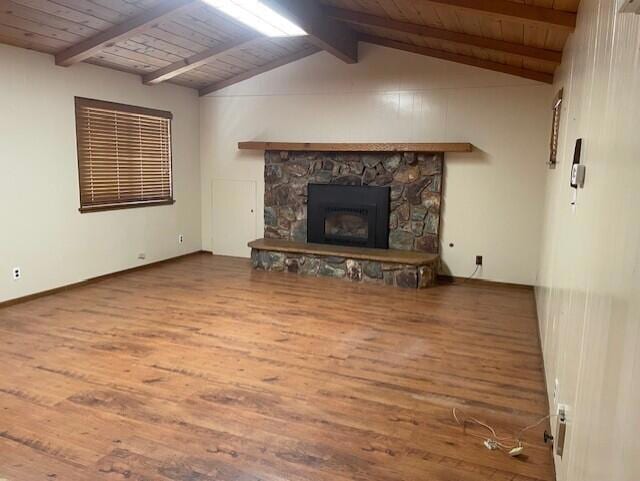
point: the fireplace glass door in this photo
(347, 225)
(348, 215)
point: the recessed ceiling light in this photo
(258, 16)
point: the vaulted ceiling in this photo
(189, 43)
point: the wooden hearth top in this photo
(358, 147)
(391, 256)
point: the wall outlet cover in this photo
(17, 273)
(563, 410)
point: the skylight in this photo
(258, 16)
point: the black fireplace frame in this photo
(328, 198)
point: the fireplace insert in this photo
(348, 215)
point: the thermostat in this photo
(577, 175)
(577, 169)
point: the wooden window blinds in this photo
(124, 155)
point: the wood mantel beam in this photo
(463, 59)
(143, 21)
(325, 33)
(358, 147)
(361, 18)
(514, 11)
(197, 60)
(279, 62)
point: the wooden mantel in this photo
(358, 147)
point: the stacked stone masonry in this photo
(398, 275)
(415, 180)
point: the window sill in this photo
(137, 205)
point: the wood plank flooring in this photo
(203, 369)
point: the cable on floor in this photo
(511, 445)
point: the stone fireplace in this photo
(358, 215)
(348, 215)
(361, 212)
(413, 180)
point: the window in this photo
(555, 129)
(124, 156)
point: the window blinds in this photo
(124, 155)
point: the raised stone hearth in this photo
(388, 267)
(415, 180)
(397, 275)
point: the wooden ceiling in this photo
(189, 43)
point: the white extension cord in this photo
(513, 446)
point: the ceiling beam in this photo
(325, 33)
(143, 21)
(464, 59)
(361, 18)
(517, 12)
(279, 62)
(197, 60)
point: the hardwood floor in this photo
(202, 369)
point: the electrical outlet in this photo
(479, 260)
(562, 410)
(17, 273)
(180, 239)
(142, 256)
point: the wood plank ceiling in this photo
(189, 43)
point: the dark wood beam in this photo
(129, 28)
(473, 61)
(258, 70)
(517, 12)
(182, 66)
(325, 33)
(368, 20)
(358, 147)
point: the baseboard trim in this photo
(550, 401)
(456, 281)
(48, 292)
(442, 280)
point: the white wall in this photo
(589, 294)
(493, 197)
(41, 230)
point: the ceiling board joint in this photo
(457, 58)
(131, 27)
(360, 18)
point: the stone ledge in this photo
(332, 264)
